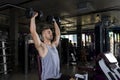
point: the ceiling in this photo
(69, 10)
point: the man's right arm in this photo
(34, 34)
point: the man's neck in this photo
(48, 42)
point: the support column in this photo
(106, 41)
(26, 55)
(79, 34)
(98, 38)
(102, 41)
(13, 34)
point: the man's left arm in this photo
(57, 34)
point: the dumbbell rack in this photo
(4, 58)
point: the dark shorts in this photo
(63, 77)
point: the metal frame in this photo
(11, 5)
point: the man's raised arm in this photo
(33, 31)
(57, 34)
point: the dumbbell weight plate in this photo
(29, 12)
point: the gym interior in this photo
(89, 47)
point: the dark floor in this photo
(65, 69)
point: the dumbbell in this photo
(30, 13)
(50, 19)
(57, 19)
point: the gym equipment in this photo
(39, 66)
(102, 39)
(64, 51)
(114, 64)
(83, 77)
(30, 13)
(73, 60)
(109, 74)
(57, 19)
(109, 66)
(5, 58)
(50, 19)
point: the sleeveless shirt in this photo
(51, 64)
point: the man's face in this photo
(47, 34)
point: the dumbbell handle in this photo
(54, 19)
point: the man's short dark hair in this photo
(44, 27)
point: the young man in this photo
(47, 50)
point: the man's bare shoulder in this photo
(42, 50)
(42, 46)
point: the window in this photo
(73, 37)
